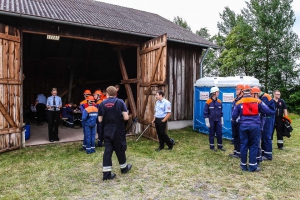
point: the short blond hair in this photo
(111, 90)
(54, 89)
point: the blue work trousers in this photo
(249, 136)
(215, 128)
(236, 138)
(90, 133)
(266, 144)
(84, 139)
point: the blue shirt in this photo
(41, 99)
(57, 103)
(162, 108)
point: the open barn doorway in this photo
(69, 63)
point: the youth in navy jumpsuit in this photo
(248, 109)
(113, 130)
(100, 142)
(213, 111)
(235, 132)
(269, 121)
(89, 117)
(67, 112)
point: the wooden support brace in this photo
(128, 81)
(127, 86)
(8, 81)
(6, 115)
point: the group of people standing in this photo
(255, 115)
(107, 116)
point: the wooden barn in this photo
(85, 44)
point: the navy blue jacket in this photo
(66, 111)
(213, 110)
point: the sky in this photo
(197, 13)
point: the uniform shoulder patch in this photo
(268, 96)
(208, 101)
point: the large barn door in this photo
(10, 89)
(153, 58)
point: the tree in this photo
(203, 32)
(276, 47)
(181, 22)
(236, 58)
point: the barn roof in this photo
(99, 15)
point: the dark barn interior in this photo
(51, 63)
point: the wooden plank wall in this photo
(10, 88)
(183, 71)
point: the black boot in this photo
(126, 169)
(108, 176)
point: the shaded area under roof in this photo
(99, 15)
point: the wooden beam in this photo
(127, 86)
(9, 81)
(10, 130)
(70, 85)
(153, 47)
(81, 38)
(9, 37)
(10, 149)
(6, 115)
(128, 81)
(154, 83)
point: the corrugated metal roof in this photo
(102, 15)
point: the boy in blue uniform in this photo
(248, 109)
(214, 118)
(89, 118)
(97, 95)
(235, 124)
(269, 121)
(67, 112)
(82, 106)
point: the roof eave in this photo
(99, 28)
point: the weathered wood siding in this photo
(153, 68)
(10, 88)
(183, 71)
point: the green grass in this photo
(189, 171)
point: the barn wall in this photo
(183, 71)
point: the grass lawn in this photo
(189, 171)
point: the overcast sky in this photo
(197, 13)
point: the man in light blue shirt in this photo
(162, 113)
(40, 105)
(54, 105)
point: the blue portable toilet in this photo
(227, 94)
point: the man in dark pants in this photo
(54, 105)
(112, 113)
(281, 110)
(40, 105)
(162, 113)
